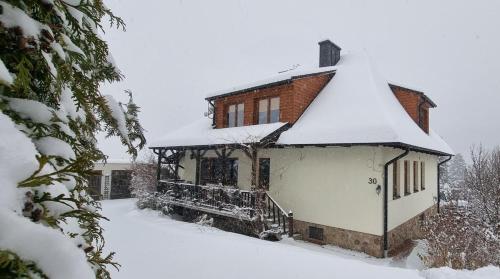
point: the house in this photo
(345, 156)
(110, 179)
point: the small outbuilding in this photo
(111, 180)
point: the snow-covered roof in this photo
(279, 78)
(358, 107)
(201, 133)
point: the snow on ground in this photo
(149, 245)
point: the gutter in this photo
(439, 184)
(386, 195)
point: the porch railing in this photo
(223, 200)
(228, 201)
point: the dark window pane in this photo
(275, 110)
(94, 188)
(395, 180)
(264, 172)
(231, 115)
(240, 116)
(212, 171)
(120, 183)
(407, 177)
(275, 116)
(263, 110)
(230, 119)
(262, 117)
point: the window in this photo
(264, 171)
(120, 183)
(269, 110)
(94, 188)
(212, 171)
(422, 175)
(407, 177)
(315, 233)
(274, 115)
(395, 180)
(235, 115)
(415, 176)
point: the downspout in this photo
(438, 182)
(386, 195)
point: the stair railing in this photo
(279, 216)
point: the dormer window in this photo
(269, 110)
(235, 115)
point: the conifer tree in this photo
(52, 62)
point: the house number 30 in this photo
(372, 181)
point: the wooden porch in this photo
(228, 201)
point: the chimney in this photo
(329, 53)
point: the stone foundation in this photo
(358, 241)
(411, 229)
(364, 242)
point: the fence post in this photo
(290, 224)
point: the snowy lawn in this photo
(149, 245)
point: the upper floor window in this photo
(235, 115)
(269, 110)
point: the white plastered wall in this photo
(331, 185)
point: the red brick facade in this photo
(411, 100)
(295, 97)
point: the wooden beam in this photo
(158, 169)
(198, 162)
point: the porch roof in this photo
(201, 133)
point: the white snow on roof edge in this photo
(201, 133)
(274, 79)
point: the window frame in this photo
(415, 177)
(266, 185)
(208, 173)
(422, 175)
(407, 177)
(236, 114)
(268, 111)
(396, 184)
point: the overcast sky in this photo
(175, 52)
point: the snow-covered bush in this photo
(52, 62)
(467, 232)
(144, 176)
(457, 239)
